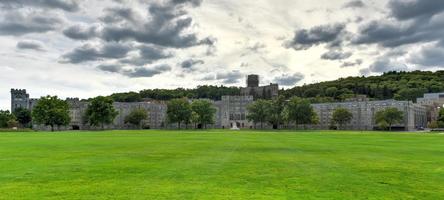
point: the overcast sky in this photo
(80, 48)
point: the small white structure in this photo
(235, 128)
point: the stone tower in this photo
(19, 99)
(253, 80)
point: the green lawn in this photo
(221, 165)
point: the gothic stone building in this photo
(364, 114)
(156, 112)
(259, 92)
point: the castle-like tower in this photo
(19, 99)
(259, 92)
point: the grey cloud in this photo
(307, 38)
(190, 63)
(429, 56)
(384, 64)
(67, 5)
(192, 2)
(336, 55)
(110, 68)
(114, 15)
(167, 27)
(404, 10)
(17, 23)
(79, 32)
(147, 55)
(137, 72)
(354, 4)
(88, 52)
(30, 44)
(289, 79)
(141, 72)
(351, 64)
(229, 77)
(393, 34)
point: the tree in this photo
(101, 111)
(440, 121)
(204, 112)
(433, 125)
(51, 111)
(136, 117)
(389, 117)
(13, 123)
(258, 112)
(179, 111)
(5, 116)
(342, 116)
(276, 112)
(300, 111)
(23, 116)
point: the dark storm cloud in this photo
(190, 63)
(229, 77)
(67, 5)
(404, 10)
(326, 34)
(88, 52)
(167, 26)
(142, 72)
(147, 55)
(289, 79)
(78, 32)
(393, 34)
(17, 23)
(30, 44)
(354, 4)
(336, 55)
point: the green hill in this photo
(390, 85)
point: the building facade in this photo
(433, 103)
(232, 111)
(259, 92)
(364, 114)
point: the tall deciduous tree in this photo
(389, 117)
(300, 111)
(342, 116)
(179, 111)
(204, 112)
(51, 111)
(276, 112)
(258, 112)
(136, 117)
(23, 116)
(100, 111)
(5, 116)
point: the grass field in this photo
(221, 165)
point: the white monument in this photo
(235, 128)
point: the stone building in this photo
(433, 102)
(232, 110)
(364, 114)
(259, 92)
(156, 112)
